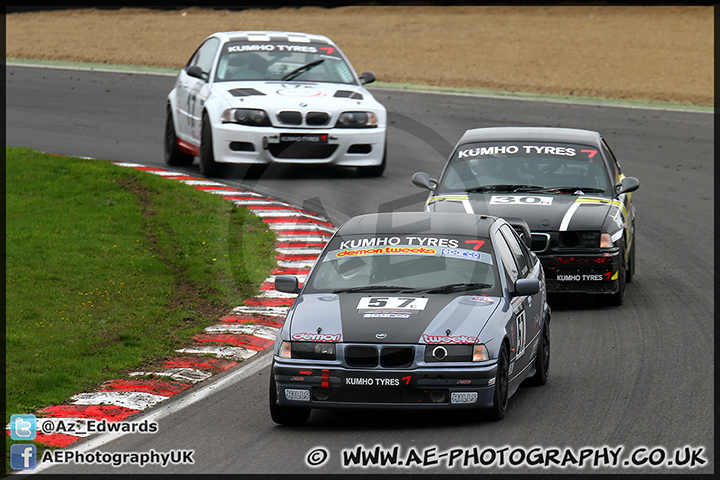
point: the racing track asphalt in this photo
(641, 375)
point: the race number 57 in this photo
(392, 303)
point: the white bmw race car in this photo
(273, 97)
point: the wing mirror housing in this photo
(527, 286)
(627, 185)
(196, 72)
(367, 77)
(287, 284)
(424, 180)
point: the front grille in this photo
(242, 147)
(378, 395)
(540, 242)
(361, 356)
(396, 357)
(301, 150)
(317, 118)
(360, 148)
(290, 117)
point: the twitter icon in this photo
(23, 427)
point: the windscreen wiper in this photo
(371, 288)
(300, 70)
(572, 189)
(504, 188)
(453, 287)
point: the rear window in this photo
(541, 164)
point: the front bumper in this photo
(339, 387)
(233, 143)
(582, 272)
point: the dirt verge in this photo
(655, 53)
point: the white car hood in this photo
(329, 97)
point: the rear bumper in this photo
(582, 272)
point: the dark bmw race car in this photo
(565, 183)
(413, 310)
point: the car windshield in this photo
(526, 166)
(282, 61)
(407, 263)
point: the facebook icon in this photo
(22, 456)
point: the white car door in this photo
(189, 87)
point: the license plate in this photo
(304, 137)
(371, 380)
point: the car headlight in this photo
(606, 241)
(456, 353)
(583, 239)
(307, 350)
(357, 120)
(253, 117)
(480, 353)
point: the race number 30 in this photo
(520, 200)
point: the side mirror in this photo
(424, 180)
(196, 72)
(367, 77)
(527, 286)
(287, 284)
(628, 184)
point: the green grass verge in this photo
(109, 267)
(403, 86)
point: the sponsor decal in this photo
(481, 298)
(377, 382)
(386, 315)
(316, 337)
(462, 253)
(512, 367)
(392, 303)
(300, 91)
(515, 149)
(522, 335)
(395, 241)
(297, 394)
(463, 397)
(477, 300)
(402, 250)
(520, 200)
(444, 339)
(269, 47)
(580, 278)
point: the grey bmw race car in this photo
(413, 310)
(565, 183)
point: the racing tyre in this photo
(292, 416)
(374, 171)
(502, 385)
(630, 273)
(208, 166)
(542, 360)
(173, 155)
